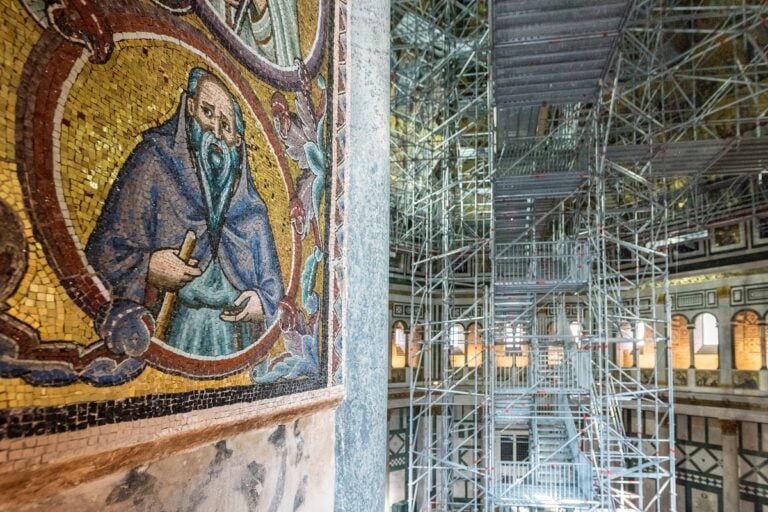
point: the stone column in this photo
(761, 326)
(729, 430)
(663, 359)
(725, 351)
(665, 499)
(361, 430)
(692, 352)
(763, 366)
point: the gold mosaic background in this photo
(109, 106)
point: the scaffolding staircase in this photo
(542, 376)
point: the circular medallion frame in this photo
(48, 76)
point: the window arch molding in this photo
(458, 336)
(758, 316)
(474, 344)
(415, 342)
(398, 344)
(706, 341)
(754, 312)
(400, 323)
(474, 334)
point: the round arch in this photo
(706, 341)
(458, 340)
(398, 344)
(474, 344)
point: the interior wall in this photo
(271, 468)
(702, 482)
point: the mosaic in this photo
(171, 196)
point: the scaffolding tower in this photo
(440, 164)
(577, 248)
(547, 156)
(543, 390)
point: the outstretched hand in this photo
(252, 310)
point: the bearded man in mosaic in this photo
(192, 174)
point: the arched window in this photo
(625, 356)
(504, 357)
(503, 360)
(474, 345)
(681, 343)
(520, 345)
(397, 345)
(521, 357)
(509, 334)
(646, 345)
(458, 345)
(746, 341)
(414, 346)
(555, 355)
(706, 342)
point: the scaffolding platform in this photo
(542, 267)
(555, 484)
(539, 186)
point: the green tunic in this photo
(197, 328)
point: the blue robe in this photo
(156, 198)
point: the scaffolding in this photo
(577, 239)
(676, 143)
(692, 105)
(440, 164)
(539, 206)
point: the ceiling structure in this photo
(552, 51)
(690, 86)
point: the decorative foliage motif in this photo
(302, 135)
